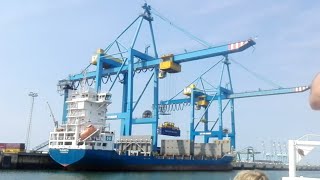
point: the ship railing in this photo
(59, 129)
(76, 97)
(76, 114)
(135, 153)
(108, 132)
(186, 157)
(179, 157)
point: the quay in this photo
(23, 160)
(271, 166)
(40, 160)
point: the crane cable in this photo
(85, 69)
(89, 84)
(75, 86)
(199, 76)
(106, 77)
(200, 41)
(174, 107)
(257, 75)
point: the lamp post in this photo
(32, 95)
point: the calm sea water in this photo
(64, 175)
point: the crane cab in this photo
(168, 65)
(202, 101)
(108, 60)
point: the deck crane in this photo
(46, 143)
(55, 122)
(129, 60)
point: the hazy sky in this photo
(43, 41)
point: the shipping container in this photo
(168, 129)
(138, 144)
(226, 146)
(169, 132)
(176, 147)
(219, 148)
(20, 146)
(207, 149)
(13, 150)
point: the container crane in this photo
(129, 60)
(250, 153)
(198, 97)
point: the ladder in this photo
(40, 146)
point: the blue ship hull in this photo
(101, 160)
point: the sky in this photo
(44, 41)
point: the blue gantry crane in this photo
(201, 99)
(126, 61)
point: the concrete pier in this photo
(271, 166)
(27, 161)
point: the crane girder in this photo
(269, 92)
(149, 62)
(230, 95)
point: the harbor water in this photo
(65, 175)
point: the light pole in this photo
(32, 95)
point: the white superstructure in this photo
(85, 127)
(298, 149)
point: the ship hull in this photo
(101, 160)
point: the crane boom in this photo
(199, 98)
(269, 92)
(149, 62)
(55, 122)
(228, 95)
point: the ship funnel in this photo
(314, 98)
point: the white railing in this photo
(298, 149)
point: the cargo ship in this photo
(85, 142)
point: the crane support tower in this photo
(32, 95)
(129, 60)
